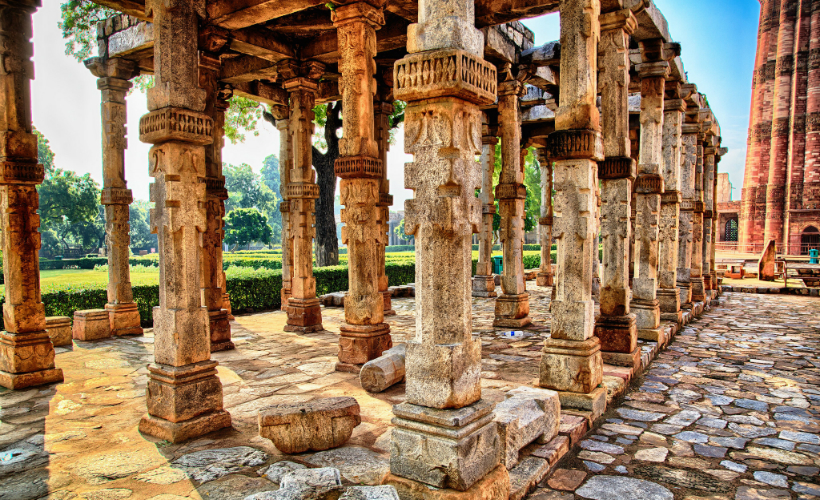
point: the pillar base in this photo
(226, 304)
(628, 359)
(387, 297)
(220, 331)
(59, 330)
(453, 448)
(91, 324)
(304, 315)
(647, 313)
(512, 311)
(571, 365)
(124, 319)
(698, 290)
(544, 279)
(493, 486)
(669, 303)
(27, 360)
(176, 432)
(617, 333)
(594, 402)
(359, 344)
(653, 334)
(483, 286)
(707, 282)
(685, 294)
(284, 295)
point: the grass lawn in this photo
(78, 277)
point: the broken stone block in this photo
(526, 415)
(317, 425)
(91, 324)
(59, 330)
(385, 492)
(279, 470)
(305, 484)
(386, 370)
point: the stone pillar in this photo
(696, 274)
(383, 111)
(512, 308)
(285, 162)
(444, 435)
(708, 211)
(689, 159)
(26, 351)
(544, 276)
(483, 281)
(648, 189)
(364, 334)
(616, 326)
(113, 83)
(571, 360)
(184, 394)
(216, 103)
(668, 294)
(301, 81)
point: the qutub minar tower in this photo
(781, 185)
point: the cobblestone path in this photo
(730, 410)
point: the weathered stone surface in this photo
(316, 425)
(357, 465)
(279, 470)
(59, 330)
(91, 324)
(526, 415)
(385, 492)
(208, 465)
(525, 475)
(307, 484)
(570, 365)
(617, 488)
(388, 369)
(493, 486)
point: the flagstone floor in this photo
(730, 410)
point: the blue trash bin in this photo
(498, 264)
(813, 256)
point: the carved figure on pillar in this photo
(616, 326)
(300, 80)
(364, 334)
(545, 276)
(184, 394)
(26, 351)
(444, 79)
(483, 283)
(113, 76)
(571, 360)
(383, 109)
(512, 308)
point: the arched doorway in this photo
(809, 239)
(730, 230)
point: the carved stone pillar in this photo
(113, 83)
(708, 211)
(544, 276)
(483, 281)
(184, 394)
(648, 189)
(571, 360)
(689, 159)
(285, 162)
(383, 111)
(668, 294)
(512, 308)
(616, 326)
(696, 274)
(364, 334)
(26, 351)
(444, 415)
(213, 293)
(304, 310)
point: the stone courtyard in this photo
(728, 410)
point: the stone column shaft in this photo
(364, 334)
(545, 276)
(689, 158)
(285, 159)
(571, 360)
(668, 294)
(26, 351)
(383, 111)
(443, 361)
(184, 394)
(483, 281)
(616, 326)
(512, 308)
(696, 274)
(708, 215)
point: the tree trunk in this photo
(327, 244)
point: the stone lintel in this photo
(176, 124)
(690, 128)
(657, 69)
(358, 167)
(620, 19)
(617, 168)
(358, 11)
(116, 196)
(445, 73)
(674, 105)
(575, 144)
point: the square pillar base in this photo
(628, 359)
(304, 315)
(15, 381)
(220, 329)
(698, 291)
(653, 334)
(594, 402)
(124, 319)
(617, 333)
(359, 344)
(387, 298)
(226, 304)
(669, 303)
(493, 486)
(91, 324)
(284, 296)
(512, 311)
(571, 365)
(483, 286)
(647, 313)
(59, 330)
(176, 432)
(27, 360)
(685, 294)
(453, 448)
(544, 279)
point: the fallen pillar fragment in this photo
(526, 415)
(317, 425)
(388, 369)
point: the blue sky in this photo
(718, 41)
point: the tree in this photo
(246, 225)
(399, 231)
(44, 153)
(327, 244)
(140, 217)
(271, 178)
(247, 190)
(532, 181)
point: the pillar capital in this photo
(622, 19)
(359, 11)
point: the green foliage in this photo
(399, 230)
(532, 180)
(78, 24)
(395, 119)
(246, 225)
(44, 153)
(246, 189)
(242, 116)
(271, 179)
(140, 219)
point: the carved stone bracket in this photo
(649, 184)
(385, 200)
(687, 205)
(116, 196)
(302, 190)
(176, 124)
(445, 73)
(617, 168)
(215, 188)
(511, 191)
(284, 207)
(668, 197)
(487, 209)
(545, 221)
(575, 144)
(20, 172)
(358, 167)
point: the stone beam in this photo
(651, 24)
(235, 14)
(262, 43)
(548, 54)
(492, 12)
(134, 8)
(132, 40)
(326, 47)
(261, 92)
(246, 69)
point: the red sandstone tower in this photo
(781, 185)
